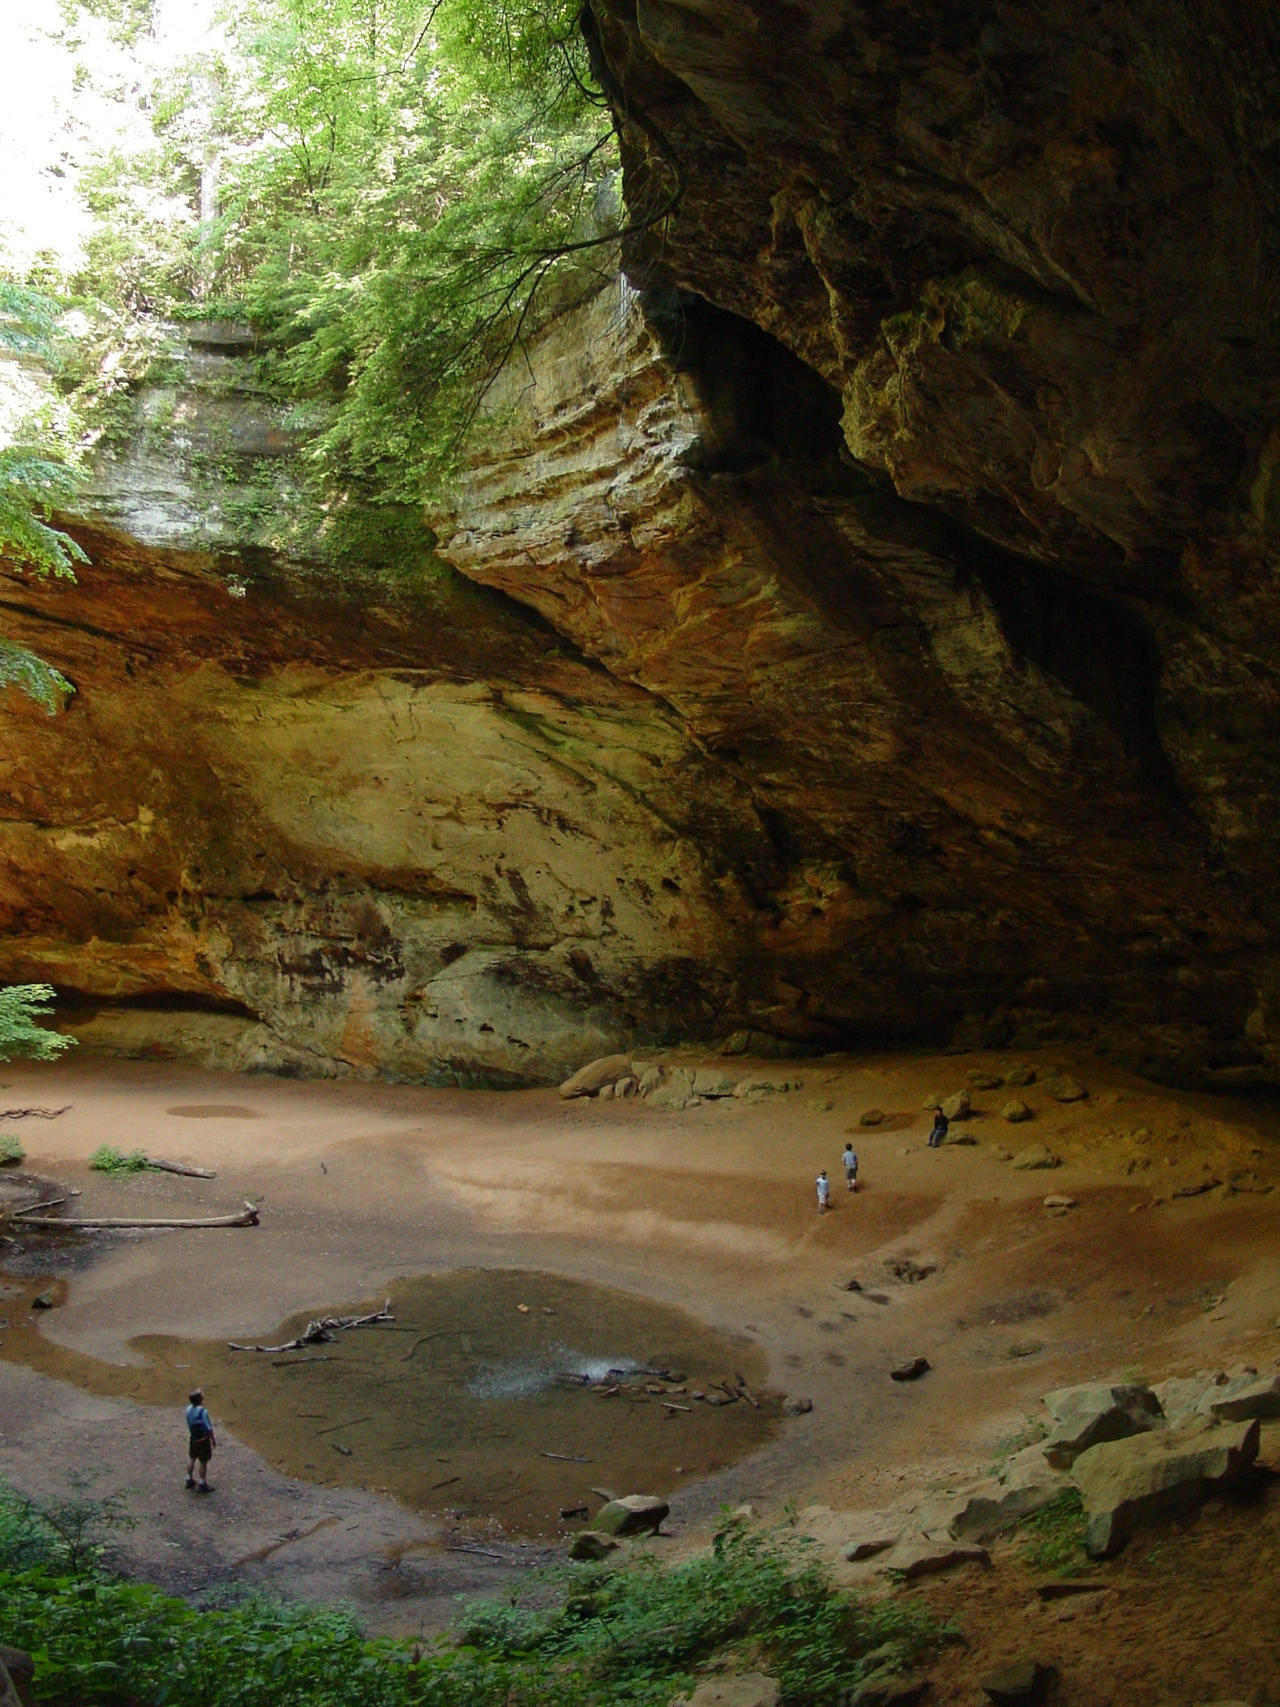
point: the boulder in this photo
(1063, 1088)
(1125, 1483)
(1245, 1397)
(1183, 1395)
(1085, 1416)
(590, 1545)
(590, 1080)
(1015, 1111)
(711, 1082)
(675, 1089)
(1022, 1683)
(756, 1088)
(921, 1558)
(1037, 1156)
(736, 1043)
(794, 1405)
(871, 1117)
(857, 1551)
(887, 1687)
(911, 1370)
(1058, 1204)
(735, 1689)
(984, 1081)
(634, 1514)
(1023, 1075)
(989, 1510)
(647, 1079)
(957, 1107)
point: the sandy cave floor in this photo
(712, 1211)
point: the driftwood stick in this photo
(26, 1113)
(179, 1168)
(482, 1552)
(321, 1331)
(565, 1458)
(45, 1203)
(437, 1334)
(668, 1406)
(352, 1423)
(746, 1392)
(248, 1217)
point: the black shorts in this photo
(201, 1448)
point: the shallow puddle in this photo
(467, 1405)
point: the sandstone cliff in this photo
(881, 642)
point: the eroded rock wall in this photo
(429, 846)
(880, 641)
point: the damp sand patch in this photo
(467, 1406)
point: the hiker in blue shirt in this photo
(201, 1441)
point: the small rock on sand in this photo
(911, 1370)
(1038, 1156)
(1063, 1088)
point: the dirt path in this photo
(711, 1210)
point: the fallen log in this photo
(179, 1168)
(27, 1113)
(321, 1331)
(247, 1217)
(44, 1203)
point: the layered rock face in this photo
(881, 635)
(301, 825)
(969, 568)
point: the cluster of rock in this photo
(1057, 1083)
(1134, 1453)
(670, 1087)
(619, 1520)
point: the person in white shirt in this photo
(824, 1192)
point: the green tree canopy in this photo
(36, 478)
(385, 188)
(22, 1006)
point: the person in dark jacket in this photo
(939, 1129)
(200, 1440)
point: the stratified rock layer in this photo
(897, 548)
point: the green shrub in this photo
(11, 1150)
(1053, 1537)
(577, 1637)
(108, 1160)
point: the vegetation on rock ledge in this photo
(567, 1639)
